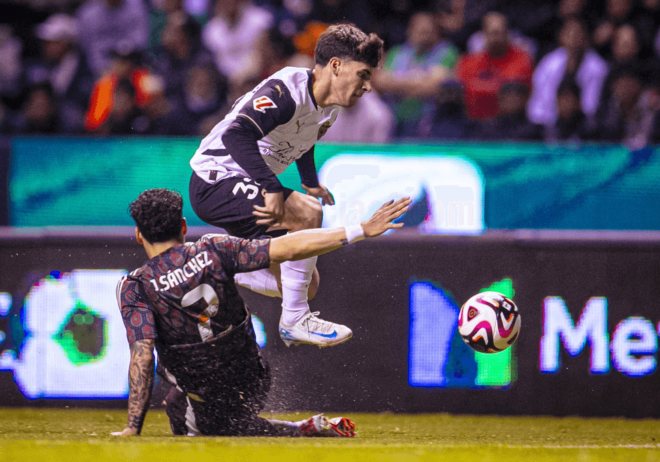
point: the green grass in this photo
(67, 435)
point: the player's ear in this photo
(184, 227)
(335, 64)
(138, 236)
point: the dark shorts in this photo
(220, 385)
(229, 204)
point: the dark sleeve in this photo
(307, 169)
(241, 255)
(138, 318)
(271, 106)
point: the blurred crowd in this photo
(523, 70)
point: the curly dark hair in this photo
(158, 214)
(347, 41)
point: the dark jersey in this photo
(187, 295)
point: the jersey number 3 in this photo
(253, 190)
(203, 292)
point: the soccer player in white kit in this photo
(234, 183)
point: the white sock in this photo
(262, 282)
(296, 276)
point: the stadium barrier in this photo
(588, 344)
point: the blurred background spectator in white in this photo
(64, 68)
(413, 72)
(104, 23)
(572, 58)
(369, 121)
(232, 36)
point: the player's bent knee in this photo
(314, 215)
(314, 285)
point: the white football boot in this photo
(313, 330)
(320, 425)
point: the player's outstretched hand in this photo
(382, 220)
(272, 213)
(126, 432)
(320, 192)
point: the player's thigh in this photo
(301, 212)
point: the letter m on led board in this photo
(558, 327)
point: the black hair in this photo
(158, 214)
(347, 41)
(569, 85)
(126, 86)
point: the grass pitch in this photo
(67, 435)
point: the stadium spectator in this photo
(40, 113)
(511, 122)
(163, 116)
(205, 96)
(356, 12)
(483, 73)
(102, 24)
(201, 326)
(232, 37)
(11, 66)
(617, 13)
(158, 18)
(125, 117)
(369, 121)
(573, 58)
(126, 64)
(630, 115)
(571, 125)
(276, 51)
(63, 66)
(626, 50)
(413, 72)
(181, 41)
(462, 18)
(451, 120)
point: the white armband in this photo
(354, 233)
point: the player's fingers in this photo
(266, 221)
(261, 214)
(331, 198)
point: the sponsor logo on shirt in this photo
(262, 103)
(323, 129)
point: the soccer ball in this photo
(489, 322)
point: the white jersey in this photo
(280, 115)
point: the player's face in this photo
(353, 80)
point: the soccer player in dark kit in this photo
(184, 303)
(234, 183)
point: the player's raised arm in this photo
(140, 384)
(308, 243)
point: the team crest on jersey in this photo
(323, 130)
(262, 103)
